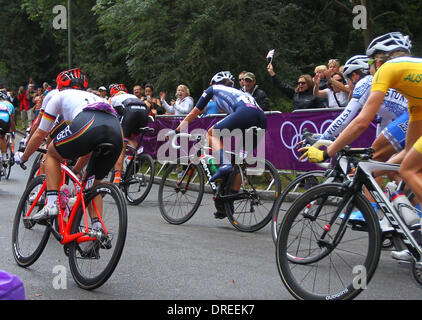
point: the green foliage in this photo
(167, 43)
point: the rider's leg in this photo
(119, 164)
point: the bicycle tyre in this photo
(33, 234)
(135, 176)
(279, 212)
(9, 162)
(173, 199)
(254, 212)
(35, 167)
(83, 263)
(352, 239)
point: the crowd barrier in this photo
(281, 137)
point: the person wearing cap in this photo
(250, 86)
(103, 93)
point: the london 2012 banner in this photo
(279, 144)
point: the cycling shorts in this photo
(4, 127)
(395, 132)
(243, 118)
(58, 126)
(88, 130)
(134, 118)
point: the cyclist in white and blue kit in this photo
(243, 112)
(242, 109)
(392, 116)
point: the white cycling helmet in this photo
(393, 41)
(222, 75)
(358, 62)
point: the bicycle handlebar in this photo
(197, 138)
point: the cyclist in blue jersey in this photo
(7, 124)
(242, 109)
(243, 112)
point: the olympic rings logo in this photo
(290, 142)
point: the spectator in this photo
(102, 92)
(320, 70)
(241, 80)
(30, 95)
(333, 66)
(336, 97)
(302, 96)
(37, 100)
(182, 105)
(260, 96)
(138, 91)
(14, 99)
(33, 83)
(153, 103)
(24, 106)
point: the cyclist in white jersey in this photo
(133, 114)
(394, 106)
(92, 122)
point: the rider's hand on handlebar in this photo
(18, 158)
(313, 154)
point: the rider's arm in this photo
(200, 105)
(34, 143)
(338, 124)
(359, 124)
(191, 116)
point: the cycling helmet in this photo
(393, 41)
(3, 95)
(115, 88)
(73, 78)
(221, 76)
(358, 62)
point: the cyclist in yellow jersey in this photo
(403, 73)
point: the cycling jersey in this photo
(226, 98)
(6, 112)
(405, 75)
(133, 112)
(68, 103)
(393, 106)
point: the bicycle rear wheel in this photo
(93, 262)
(180, 192)
(138, 179)
(321, 256)
(29, 238)
(10, 161)
(256, 201)
(293, 190)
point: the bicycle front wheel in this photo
(138, 179)
(180, 192)
(29, 238)
(254, 203)
(319, 254)
(293, 190)
(93, 262)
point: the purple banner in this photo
(282, 135)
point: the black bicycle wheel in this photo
(10, 161)
(138, 179)
(93, 262)
(259, 190)
(29, 238)
(311, 262)
(35, 167)
(293, 190)
(180, 192)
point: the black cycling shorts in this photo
(134, 118)
(4, 127)
(58, 126)
(87, 131)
